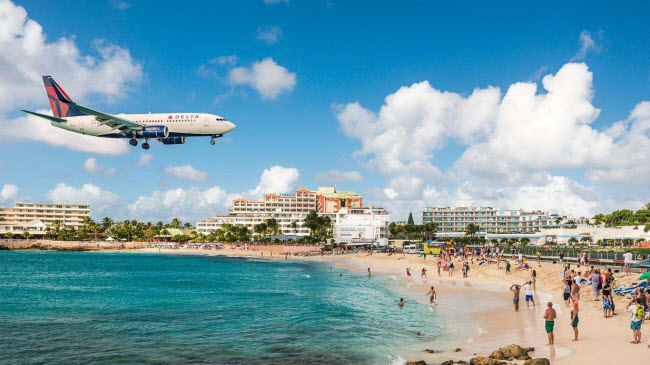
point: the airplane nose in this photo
(230, 126)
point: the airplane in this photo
(168, 128)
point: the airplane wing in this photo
(123, 125)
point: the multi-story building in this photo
(489, 219)
(362, 226)
(286, 209)
(36, 217)
(331, 201)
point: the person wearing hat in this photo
(574, 320)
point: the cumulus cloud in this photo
(93, 167)
(189, 204)
(27, 54)
(266, 77)
(276, 179)
(338, 176)
(8, 193)
(192, 204)
(515, 146)
(588, 44)
(269, 34)
(102, 202)
(186, 172)
(145, 159)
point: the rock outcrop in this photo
(511, 352)
(482, 360)
(421, 362)
(538, 361)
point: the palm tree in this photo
(272, 226)
(106, 223)
(57, 224)
(26, 235)
(176, 223)
(472, 229)
(524, 241)
(187, 225)
(294, 226)
(572, 241)
(9, 235)
(311, 222)
(260, 229)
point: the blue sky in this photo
(340, 52)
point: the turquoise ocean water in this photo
(115, 308)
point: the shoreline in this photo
(602, 341)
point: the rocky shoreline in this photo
(501, 356)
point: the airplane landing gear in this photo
(145, 146)
(133, 142)
(212, 142)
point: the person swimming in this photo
(401, 302)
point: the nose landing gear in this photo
(212, 141)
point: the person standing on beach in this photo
(595, 283)
(607, 301)
(549, 316)
(439, 264)
(369, 274)
(534, 279)
(528, 291)
(515, 299)
(507, 267)
(408, 274)
(627, 261)
(636, 320)
(567, 292)
(424, 273)
(574, 320)
(451, 267)
(561, 257)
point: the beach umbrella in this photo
(645, 264)
(645, 275)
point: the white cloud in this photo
(186, 172)
(27, 54)
(338, 176)
(269, 34)
(193, 204)
(120, 5)
(145, 159)
(93, 167)
(268, 2)
(516, 146)
(588, 44)
(189, 204)
(267, 77)
(276, 179)
(224, 60)
(102, 202)
(8, 193)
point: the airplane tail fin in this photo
(59, 100)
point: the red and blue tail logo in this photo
(59, 100)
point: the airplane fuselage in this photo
(178, 124)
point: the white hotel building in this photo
(285, 208)
(36, 217)
(362, 226)
(489, 219)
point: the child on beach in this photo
(465, 269)
(507, 267)
(451, 268)
(528, 291)
(607, 301)
(636, 320)
(534, 279)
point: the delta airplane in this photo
(168, 128)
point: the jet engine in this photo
(173, 140)
(155, 131)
